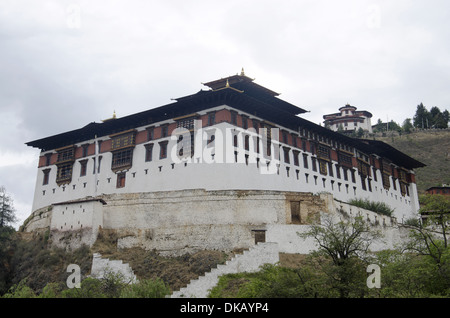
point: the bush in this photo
(378, 207)
(20, 290)
(272, 281)
(147, 288)
(90, 288)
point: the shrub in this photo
(90, 288)
(20, 290)
(147, 288)
(378, 207)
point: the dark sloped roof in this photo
(243, 94)
(382, 149)
(253, 95)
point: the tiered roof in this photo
(237, 91)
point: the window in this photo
(121, 180)
(267, 135)
(323, 152)
(46, 176)
(150, 133)
(305, 161)
(294, 140)
(312, 147)
(295, 154)
(123, 140)
(148, 152)
(233, 118)
(260, 236)
(338, 172)
(83, 167)
(65, 161)
(163, 149)
(323, 167)
(211, 119)
(295, 212)
(244, 122)
(286, 155)
(210, 139)
(66, 154)
(48, 158)
(345, 174)
(99, 164)
(314, 164)
(85, 150)
(363, 183)
(64, 174)
(165, 131)
(285, 137)
(185, 145)
(345, 160)
(235, 141)
(255, 125)
(330, 168)
(246, 142)
(186, 123)
(122, 159)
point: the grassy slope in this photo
(430, 147)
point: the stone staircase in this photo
(102, 266)
(249, 261)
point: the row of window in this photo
(122, 160)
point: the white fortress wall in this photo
(171, 175)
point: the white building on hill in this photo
(349, 119)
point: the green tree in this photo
(422, 117)
(7, 217)
(7, 211)
(429, 239)
(346, 244)
(393, 126)
(438, 119)
(407, 126)
(436, 208)
(446, 116)
(360, 132)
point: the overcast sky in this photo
(64, 64)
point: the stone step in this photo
(249, 261)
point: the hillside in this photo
(431, 147)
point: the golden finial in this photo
(113, 117)
(242, 72)
(227, 84)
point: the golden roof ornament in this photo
(113, 117)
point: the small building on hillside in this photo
(444, 190)
(349, 119)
